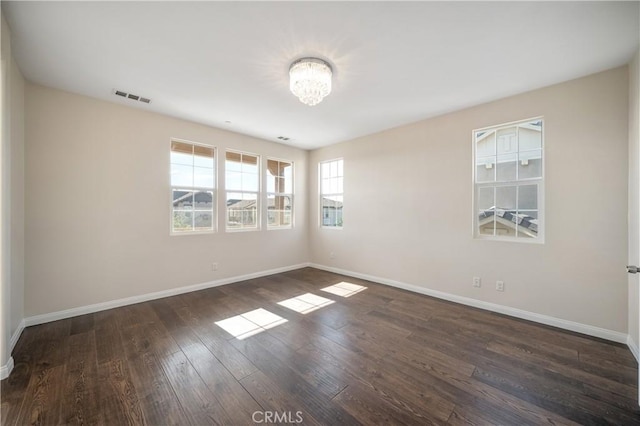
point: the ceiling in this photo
(225, 64)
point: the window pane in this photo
(486, 144)
(233, 197)
(528, 224)
(181, 158)
(182, 199)
(181, 175)
(279, 210)
(233, 161)
(203, 200)
(325, 170)
(203, 220)
(326, 186)
(282, 171)
(250, 182)
(530, 164)
(486, 199)
(333, 186)
(506, 197)
(181, 153)
(506, 141)
(288, 185)
(506, 168)
(530, 137)
(233, 180)
(486, 224)
(279, 185)
(528, 197)
(271, 183)
(203, 178)
(249, 164)
(332, 211)
(286, 218)
(273, 167)
(485, 205)
(203, 156)
(241, 210)
(331, 183)
(182, 221)
(485, 169)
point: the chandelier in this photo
(310, 80)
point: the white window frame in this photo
(539, 181)
(332, 194)
(258, 193)
(214, 207)
(280, 194)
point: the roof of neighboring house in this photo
(242, 204)
(198, 197)
(525, 223)
(326, 202)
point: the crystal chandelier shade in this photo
(310, 80)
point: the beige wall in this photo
(17, 197)
(408, 211)
(634, 195)
(12, 195)
(98, 201)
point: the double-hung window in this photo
(242, 183)
(279, 194)
(331, 193)
(193, 187)
(509, 181)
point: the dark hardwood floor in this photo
(382, 355)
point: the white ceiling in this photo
(394, 62)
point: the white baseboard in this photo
(16, 335)
(590, 330)
(5, 370)
(633, 348)
(82, 310)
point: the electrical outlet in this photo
(214, 266)
(499, 285)
(477, 281)
(332, 255)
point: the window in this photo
(279, 194)
(192, 187)
(509, 182)
(331, 193)
(242, 182)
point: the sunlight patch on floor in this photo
(306, 303)
(250, 323)
(344, 289)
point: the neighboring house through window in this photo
(193, 183)
(279, 194)
(331, 193)
(509, 181)
(242, 184)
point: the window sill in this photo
(184, 233)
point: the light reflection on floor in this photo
(306, 303)
(250, 323)
(344, 289)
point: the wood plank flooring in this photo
(382, 355)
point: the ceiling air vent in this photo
(131, 96)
